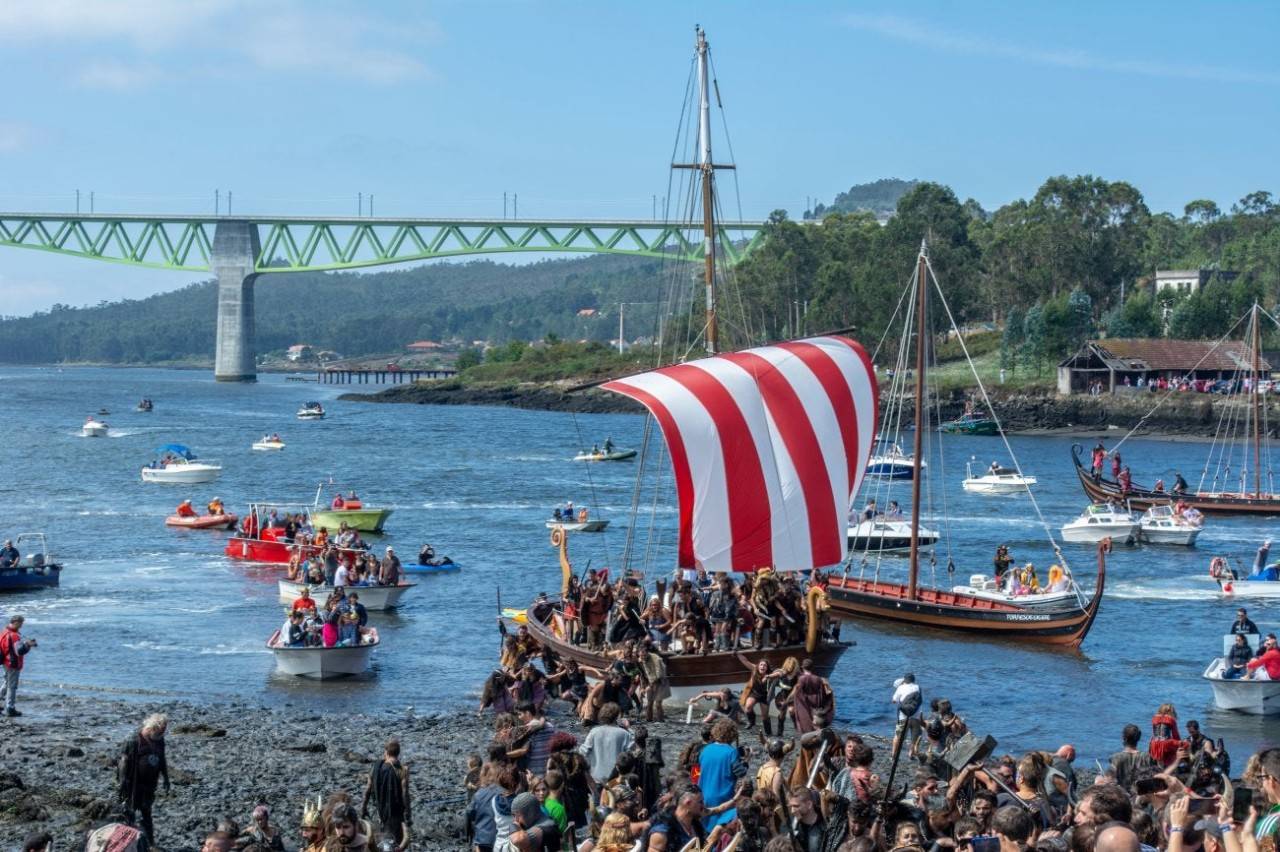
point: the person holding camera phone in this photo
(13, 651)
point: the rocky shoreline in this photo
(1194, 415)
(536, 397)
(59, 771)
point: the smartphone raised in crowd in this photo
(985, 843)
(1241, 802)
(1147, 786)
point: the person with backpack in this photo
(908, 698)
(13, 651)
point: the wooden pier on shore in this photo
(384, 376)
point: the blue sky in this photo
(438, 108)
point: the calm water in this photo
(144, 608)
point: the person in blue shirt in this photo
(720, 767)
(1261, 570)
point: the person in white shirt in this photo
(907, 698)
(342, 577)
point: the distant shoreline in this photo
(1180, 416)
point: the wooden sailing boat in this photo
(986, 615)
(1211, 500)
(767, 447)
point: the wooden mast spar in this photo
(922, 272)
(1257, 405)
(707, 167)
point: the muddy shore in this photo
(58, 773)
(1194, 415)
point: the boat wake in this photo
(1143, 591)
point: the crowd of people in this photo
(696, 614)
(333, 564)
(340, 621)
(617, 789)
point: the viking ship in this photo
(988, 611)
(767, 447)
(1242, 481)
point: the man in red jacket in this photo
(1268, 660)
(13, 648)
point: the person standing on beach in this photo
(389, 789)
(141, 766)
(13, 650)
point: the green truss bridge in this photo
(239, 249)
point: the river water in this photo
(150, 611)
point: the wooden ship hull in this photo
(969, 614)
(1101, 490)
(690, 674)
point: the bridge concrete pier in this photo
(234, 261)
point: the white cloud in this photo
(144, 41)
(149, 24)
(914, 32)
(314, 41)
(117, 76)
(15, 136)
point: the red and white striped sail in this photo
(768, 446)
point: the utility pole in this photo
(228, 202)
(91, 201)
(77, 201)
(515, 205)
(622, 309)
(371, 205)
(359, 204)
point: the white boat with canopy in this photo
(177, 464)
(1164, 525)
(268, 443)
(996, 480)
(93, 428)
(1099, 521)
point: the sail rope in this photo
(1172, 390)
(986, 398)
(591, 486)
(629, 539)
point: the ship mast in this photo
(1257, 405)
(707, 167)
(922, 278)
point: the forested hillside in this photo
(351, 313)
(1049, 270)
(879, 197)
(1046, 271)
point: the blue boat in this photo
(418, 568)
(892, 463)
(32, 569)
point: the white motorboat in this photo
(1255, 697)
(1161, 525)
(981, 586)
(577, 526)
(374, 598)
(887, 535)
(893, 463)
(1100, 521)
(324, 663)
(93, 428)
(177, 464)
(311, 411)
(996, 480)
(269, 443)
